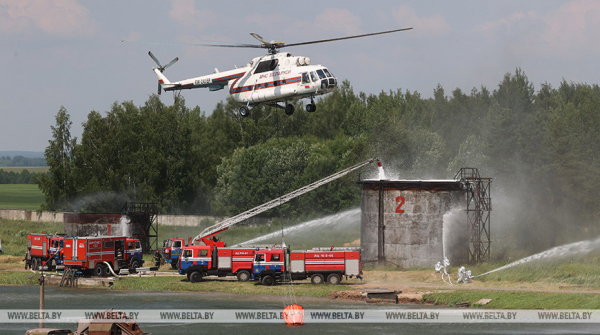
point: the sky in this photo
(69, 53)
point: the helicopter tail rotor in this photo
(161, 68)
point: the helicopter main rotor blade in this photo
(258, 37)
(345, 38)
(221, 45)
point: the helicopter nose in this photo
(329, 83)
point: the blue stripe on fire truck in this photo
(259, 267)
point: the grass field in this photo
(14, 234)
(516, 300)
(31, 169)
(21, 196)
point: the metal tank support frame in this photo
(144, 217)
(479, 206)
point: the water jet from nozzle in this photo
(381, 172)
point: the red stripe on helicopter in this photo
(265, 85)
(228, 78)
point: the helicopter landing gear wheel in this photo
(289, 109)
(244, 111)
(311, 108)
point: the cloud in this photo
(62, 18)
(330, 22)
(184, 12)
(571, 31)
(491, 28)
(339, 20)
(433, 25)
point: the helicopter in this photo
(266, 80)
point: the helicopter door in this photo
(305, 78)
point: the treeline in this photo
(541, 147)
(24, 177)
(21, 161)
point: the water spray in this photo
(381, 172)
(347, 217)
(560, 251)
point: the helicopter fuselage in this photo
(264, 80)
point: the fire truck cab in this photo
(172, 250)
(133, 249)
(195, 262)
(269, 266)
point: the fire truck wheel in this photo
(99, 270)
(268, 280)
(134, 265)
(243, 275)
(195, 277)
(106, 269)
(174, 264)
(333, 279)
(317, 279)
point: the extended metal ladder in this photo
(276, 202)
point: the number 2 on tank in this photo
(401, 202)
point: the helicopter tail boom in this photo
(163, 82)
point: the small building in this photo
(416, 223)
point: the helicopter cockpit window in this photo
(329, 75)
(305, 79)
(314, 77)
(321, 74)
(268, 65)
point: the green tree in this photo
(59, 186)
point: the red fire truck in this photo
(201, 260)
(319, 264)
(92, 254)
(44, 250)
(270, 265)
